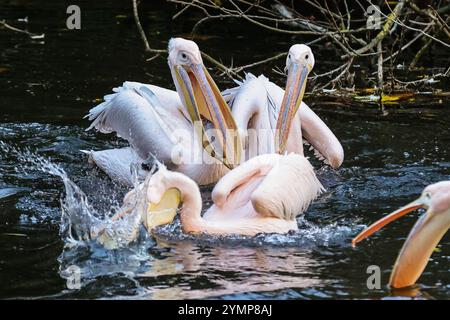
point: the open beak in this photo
(293, 96)
(418, 247)
(202, 99)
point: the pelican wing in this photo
(277, 186)
(255, 113)
(230, 95)
(136, 114)
(288, 189)
(119, 164)
(236, 187)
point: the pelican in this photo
(171, 126)
(424, 236)
(259, 106)
(262, 195)
(256, 104)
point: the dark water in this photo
(46, 86)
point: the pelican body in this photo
(262, 195)
(424, 236)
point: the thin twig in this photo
(142, 32)
(229, 72)
(383, 33)
(380, 76)
(31, 35)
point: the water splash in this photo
(77, 214)
(79, 220)
(94, 261)
(8, 192)
(309, 236)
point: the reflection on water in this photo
(236, 270)
(388, 162)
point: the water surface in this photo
(47, 86)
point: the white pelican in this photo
(262, 195)
(156, 123)
(424, 236)
(259, 104)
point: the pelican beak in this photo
(422, 202)
(203, 101)
(163, 212)
(293, 96)
(418, 247)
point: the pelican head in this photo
(424, 236)
(299, 62)
(161, 202)
(203, 101)
(157, 185)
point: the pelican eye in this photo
(307, 56)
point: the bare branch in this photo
(31, 35)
